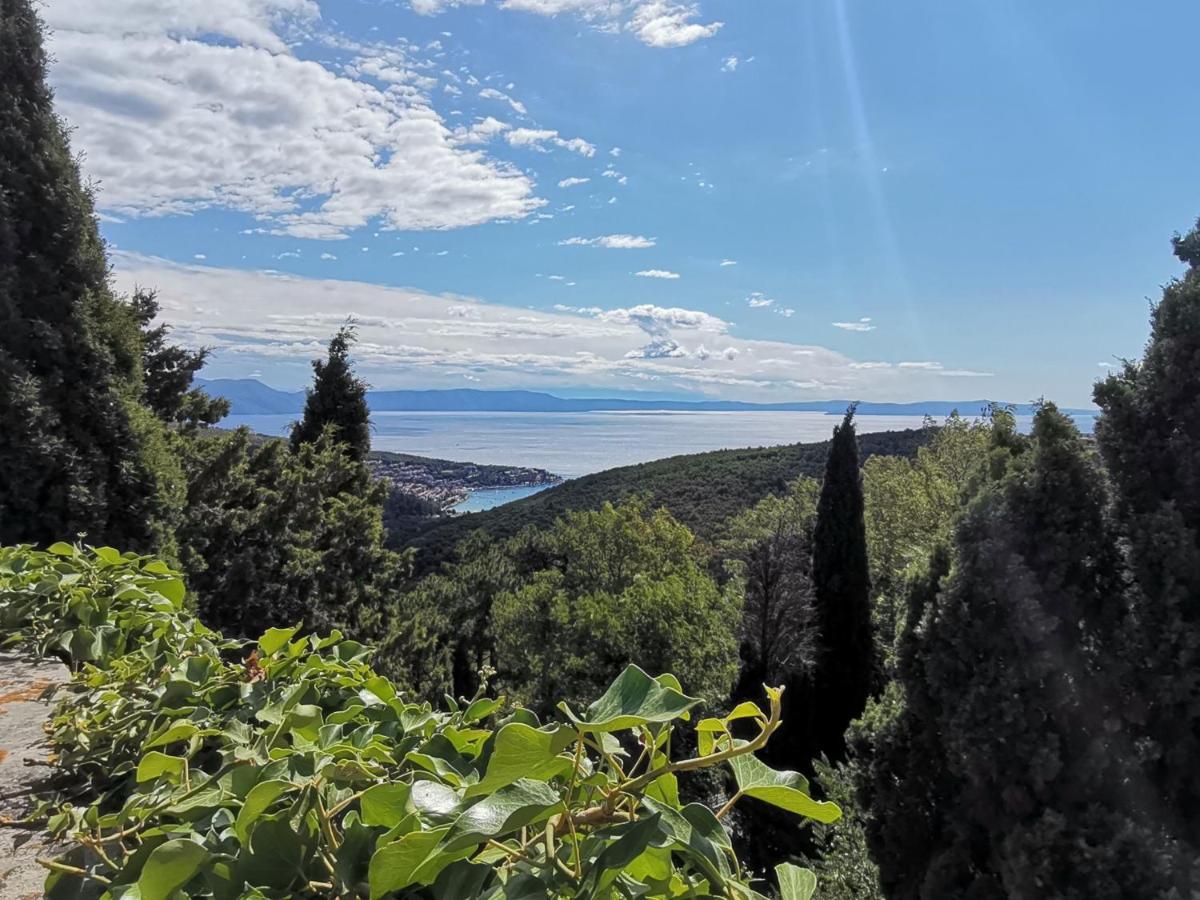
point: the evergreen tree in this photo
(1149, 435)
(337, 398)
(168, 371)
(846, 665)
(73, 455)
(1010, 773)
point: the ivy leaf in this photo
(435, 800)
(258, 801)
(274, 639)
(386, 804)
(633, 699)
(619, 854)
(787, 790)
(520, 751)
(155, 764)
(521, 803)
(416, 858)
(795, 883)
(170, 867)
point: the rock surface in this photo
(26, 687)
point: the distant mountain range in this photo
(250, 397)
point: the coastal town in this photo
(444, 483)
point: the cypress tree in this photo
(337, 399)
(845, 667)
(1011, 771)
(71, 429)
(1149, 436)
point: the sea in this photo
(575, 444)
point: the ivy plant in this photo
(190, 765)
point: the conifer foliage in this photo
(71, 435)
(338, 398)
(1149, 435)
(845, 667)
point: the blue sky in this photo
(783, 200)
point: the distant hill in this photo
(701, 490)
(249, 397)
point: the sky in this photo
(740, 199)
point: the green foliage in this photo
(767, 551)
(1149, 435)
(272, 537)
(337, 400)
(187, 768)
(910, 506)
(70, 458)
(1014, 726)
(841, 860)
(701, 490)
(618, 585)
(168, 371)
(845, 669)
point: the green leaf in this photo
(435, 800)
(795, 883)
(258, 801)
(632, 843)
(787, 790)
(416, 858)
(385, 804)
(274, 639)
(169, 868)
(521, 803)
(171, 588)
(633, 699)
(176, 731)
(523, 752)
(61, 549)
(155, 764)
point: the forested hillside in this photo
(701, 490)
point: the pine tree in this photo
(1149, 436)
(846, 666)
(338, 398)
(72, 433)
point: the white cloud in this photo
(658, 23)
(665, 348)
(481, 131)
(657, 321)
(571, 182)
(786, 312)
(537, 137)
(170, 124)
(931, 366)
(657, 273)
(612, 242)
(729, 262)
(615, 151)
(328, 256)
(661, 23)
(863, 324)
(757, 300)
(493, 94)
(729, 64)
(965, 373)
(199, 256)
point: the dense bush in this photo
(189, 764)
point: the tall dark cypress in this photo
(1149, 436)
(845, 670)
(71, 457)
(337, 398)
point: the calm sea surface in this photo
(574, 444)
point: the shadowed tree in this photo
(1149, 436)
(73, 436)
(337, 398)
(845, 667)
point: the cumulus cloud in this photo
(661, 23)
(665, 348)
(757, 300)
(658, 321)
(656, 273)
(612, 242)
(185, 106)
(863, 324)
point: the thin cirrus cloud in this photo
(656, 23)
(311, 149)
(863, 324)
(611, 242)
(572, 182)
(657, 273)
(276, 323)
